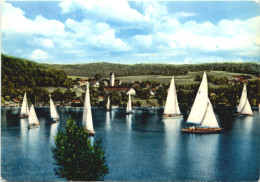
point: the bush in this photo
(76, 159)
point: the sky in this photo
(129, 32)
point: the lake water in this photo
(141, 146)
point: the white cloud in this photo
(113, 9)
(39, 54)
(99, 35)
(43, 42)
(14, 21)
(236, 37)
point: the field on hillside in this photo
(180, 79)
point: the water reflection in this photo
(172, 143)
(203, 153)
(54, 130)
(129, 121)
(141, 146)
(33, 142)
(108, 124)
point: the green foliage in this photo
(104, 69)
(76, 159)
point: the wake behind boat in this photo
(171, 109)
(202, 112)
(87, 121)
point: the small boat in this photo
(87, 121)
(108, 108)
(171, 109)
(244, 107)
(25, 108)
(202, 113)
(54, 113)
(129, 106)
(32, 119)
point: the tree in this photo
(76, 159)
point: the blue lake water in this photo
(141, 146)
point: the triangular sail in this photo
(54, 113)
(247, 109)
(24, 109)
(129, 104)
(172, 106)
(244, 105)
(32, 119)
(209, 119)
(108, 103)
(200, 104)
(87, 115)
(243, 99)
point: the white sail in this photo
(200, 104)
(54, 113)
(24, 109)
(129, 104)
(247, 108)
(87, 115)
(244, 105)
(172, 106)
(243, 99)
(108, 103)
(32, 119)
(209, 119)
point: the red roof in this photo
(76, 101)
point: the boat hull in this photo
(129, 112)
(90, 133)
(170, 116)
(23, 116)
(238, 114)
(31, 126)
(202, 130)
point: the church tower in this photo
(112, 79)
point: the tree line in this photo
(104, 69)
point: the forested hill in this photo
(18, 72)
(104, 68)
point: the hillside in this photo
(20, 74)
(104, 69)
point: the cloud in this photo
(14, 21)
(113, 9)
(39, 54)
(96, 35)
(47, 43)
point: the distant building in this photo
(100, 98)
(112, 79)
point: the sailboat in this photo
(202, 112)
(129, 106)
(54, 113)
(171, 108)
(244, 107)
(87, 121)
(32, 119)
(25, 109)
(108, 104)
